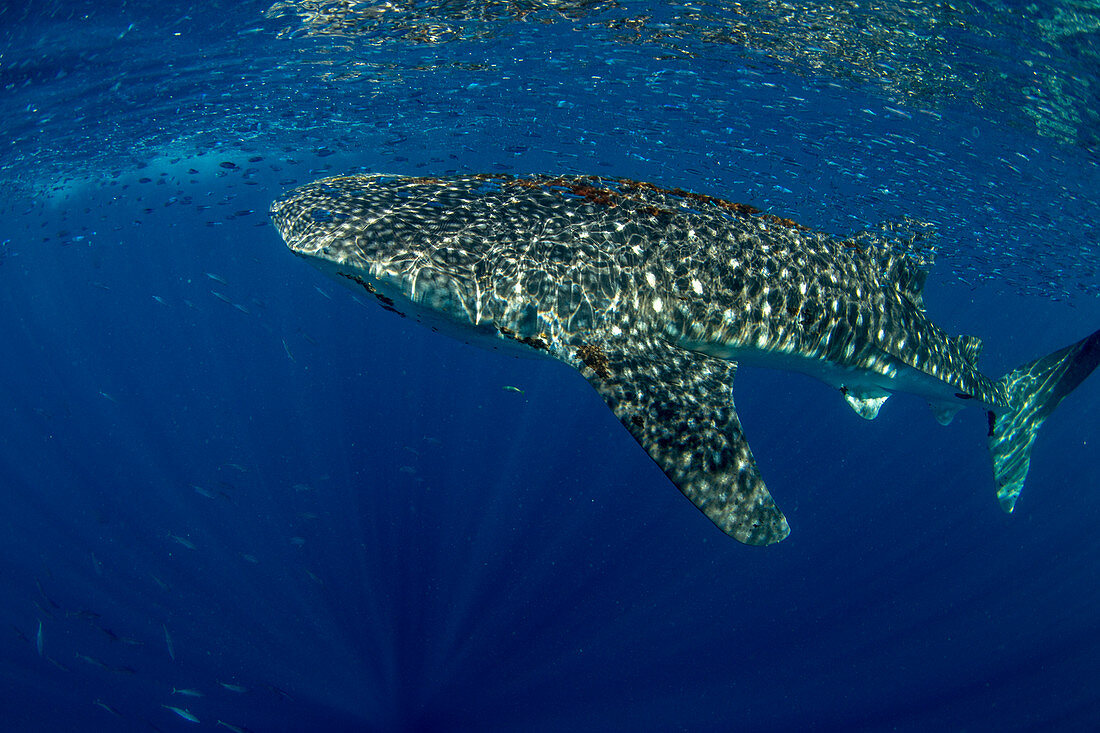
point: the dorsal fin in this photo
(971, 348)
(907, 274)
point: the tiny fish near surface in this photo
(655, 295)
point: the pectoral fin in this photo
(678, 405)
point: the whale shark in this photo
(655, 295)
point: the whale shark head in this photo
(402, 240)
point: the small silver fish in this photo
(49, 600)
(185, 714)
(107, 707)
(281, 693)
(38, 638)
(57, 664)
(233, 728)
(186, 543)
(187, 692)
(233, 688)
(91, 660)
(168, 642)
(216, 278)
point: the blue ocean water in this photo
(223, 474)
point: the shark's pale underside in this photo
(655, 295)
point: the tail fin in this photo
(1033, 391)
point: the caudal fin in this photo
(1033, 391)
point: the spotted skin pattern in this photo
(1035, 389)
(653, 294)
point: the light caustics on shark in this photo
(655, 295)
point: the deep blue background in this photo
(385, 537)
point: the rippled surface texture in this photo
(232, 492)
